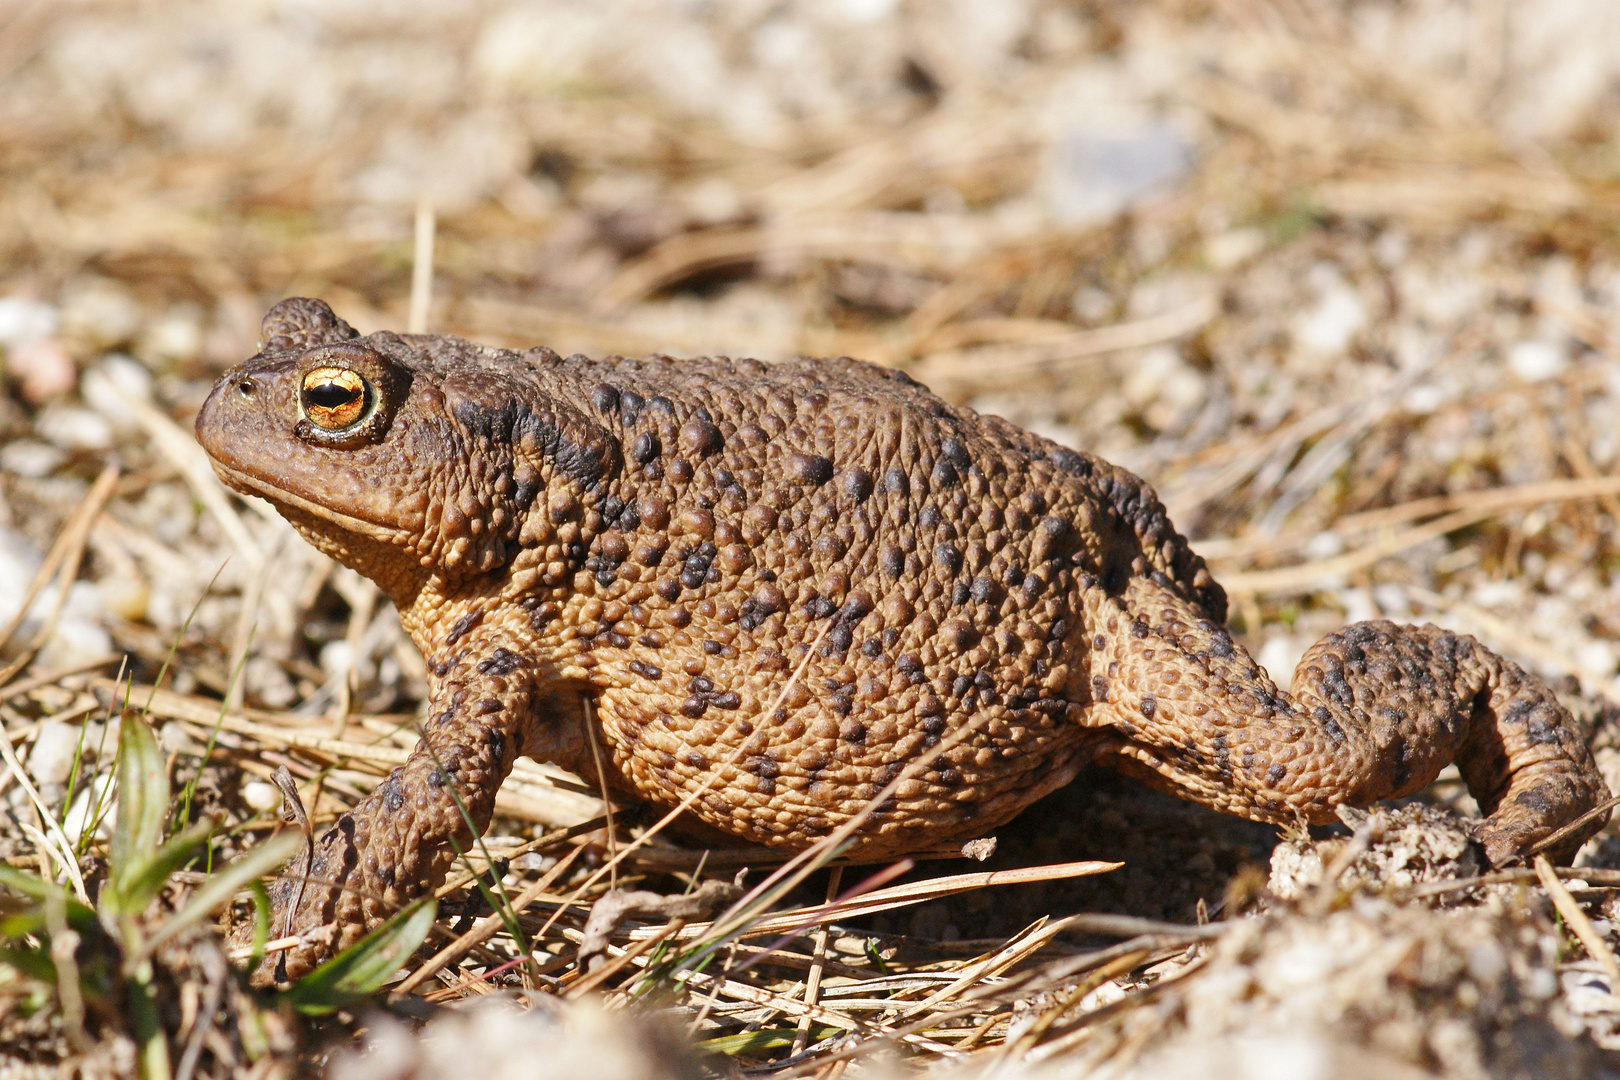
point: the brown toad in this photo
(794, 580)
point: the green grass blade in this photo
(189, 791)
(143, 802)
(148, 1030)
(35, 964)
(749, 1042)
(145, 878)
(361, 969)
(222, 886)
(35, 888)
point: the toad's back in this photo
(921, 569)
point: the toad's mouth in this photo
(246, 483)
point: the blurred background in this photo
(1289, 259)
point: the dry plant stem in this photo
(989, 366)
(556, 836)
(818, 960)
(588, 981)
(1069, 1035)
(64, 846)
(49, 678)
(607, 801)
(47, 571)
(485, 929)
(1044, 1022)
(70, 542)
(1489, 501)
(797, 920)
(1596, 947)
(988, 995)
(790, 1006)
(1593, 876)
(1015, 950)
(819, 918)
(1310, 575)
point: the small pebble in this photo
(56, 747)
(1533, 361)
(73, 427)
(99, 313)
(175, 337)
(261, 796)
(30, 458)
(22, 319)
(91, 804)
(42, 368)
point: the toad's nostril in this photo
(246, 387)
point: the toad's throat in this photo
(248, 484)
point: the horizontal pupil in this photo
(331, 395)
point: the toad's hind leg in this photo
(1378, 710)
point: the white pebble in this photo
(261, 796)
(1328, 327)
(73, 427)
(1596, 656)
(175, 337)
(99, 313)
(1093, 174)
(335, 658)
(1424, 399)
(126, 597)
(1533, 361)
(173, 739)
(56, 747)
(1280, 656)
(22, 319)
(109, 387)
(91, 805)
(30, 458)
(42, 368)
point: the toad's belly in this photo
(795, 781)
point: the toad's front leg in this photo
(402, 839)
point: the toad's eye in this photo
(335, 398)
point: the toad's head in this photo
(402, 456)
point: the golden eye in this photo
(335, 398)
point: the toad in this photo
(789, 587)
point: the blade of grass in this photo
(146, 878)
(361, 969)
(221, 886)
(183, 814)
(143, 806)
